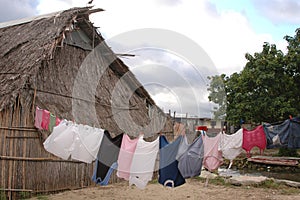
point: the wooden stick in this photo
(22, 137)
(19, 129)
(35, 159)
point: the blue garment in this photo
(105, 181)
(294, 138)
(190, 162)
(169, 174)
(277, 135)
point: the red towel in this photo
(45, 120)
(254, 138)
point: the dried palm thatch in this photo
(41, 59)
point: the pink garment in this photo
(38, 118)
(254, 138)
(45, 120)
(212, 156)
(126, 153)
(57, 121)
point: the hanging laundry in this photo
(169, 174)
(107, 158)
(231, 145)
(57, 121)
(52, 122)
(183, 147)
(254, 138)
(179, 129)
(143, 162)
(61, 141)
(294, 138)
(87, 142)
(45, 120)
(38, 118)
(127, 150)
(277, 135)
(190, 162)
(212, 156)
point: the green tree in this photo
(217, 95)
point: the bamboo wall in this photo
(26, 166)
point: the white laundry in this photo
(61, 141)
(143, 162)
(80, 142)
(87, 143)
(231, 145)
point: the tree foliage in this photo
(217, 95)
(266, 90)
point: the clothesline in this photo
(134, 159)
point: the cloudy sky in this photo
(178, 43)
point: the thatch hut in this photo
(40, 59)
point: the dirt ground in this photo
(193, 189)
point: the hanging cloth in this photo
(45, 120)
(294, 139)
(87, 143)
(52, 122)
(231, 145)
(212, 156)
(127, 150)
(190, 161)
(38, 118)
(107, 158)
(143, 162)
(61, 141)
(277, 135)
(169, 174)
(254, 138)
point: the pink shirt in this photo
(38, 118)
(126, 153)
(212, 156)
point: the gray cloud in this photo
(279, 11)
(16, 9)
(174, 76)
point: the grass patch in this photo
(153, 181)
(42, 197)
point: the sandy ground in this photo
(193, 189)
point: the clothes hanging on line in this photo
(169, 174)
(76, 141)
(294, 138)
(277, 135)
(212, 156)
(231, 145)
(38, 118)
(127, 150)
(190, 162)
(254, 138)
(45, 120)
(143, 162)
(107, 158)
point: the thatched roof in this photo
(37, 55)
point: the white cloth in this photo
(143, 162)
(231, 145)
(79, 142)
(87, 143)
(61, 141)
